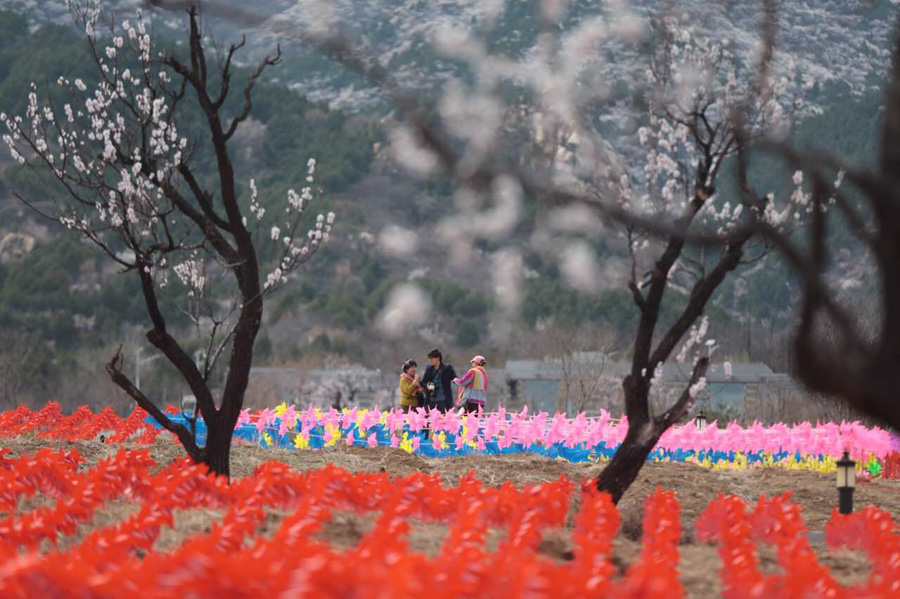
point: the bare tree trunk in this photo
(644, 430)
(642, 436)
(626, 464)
(218, 447)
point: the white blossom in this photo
(408, 306)
(697, 387)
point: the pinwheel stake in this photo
(700, 421)
(189, 411)
(846, 482)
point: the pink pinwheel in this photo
(393, 419)
(288, 420)
(604, 418)
(244, 418)
(453, 423)
(434, 419)
(350, 439)
(266, 417)
(559, 428)
(491, 425)
(372, 441)
(330, 420)
(395, 441)
(369, 420)
(417, 419)
(310, 417)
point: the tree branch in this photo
(245, 112)
(203, 198)
(226, 73)
(114, 368)
(686, 400)
(164, 342)
(700, 294)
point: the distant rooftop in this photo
(593, 364)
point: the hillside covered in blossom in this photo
(831, 41)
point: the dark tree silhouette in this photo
(836, 351)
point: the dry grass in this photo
(695, 487)
(187, 524)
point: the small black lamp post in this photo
(700, 421)
(189, 411)
(846, 482)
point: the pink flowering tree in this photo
(119, 157)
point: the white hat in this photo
(478, 360)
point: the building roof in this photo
(591, 364)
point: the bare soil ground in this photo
(695, 488)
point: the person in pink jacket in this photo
(473, 386)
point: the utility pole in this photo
(137, 365)
(199, 355)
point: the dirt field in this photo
(695, 487)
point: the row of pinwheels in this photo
(43, 556)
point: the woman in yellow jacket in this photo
(410, 390)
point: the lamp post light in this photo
(846, 483)
(700, 421)
(189, 411)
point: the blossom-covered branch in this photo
(118, 153)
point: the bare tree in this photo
(840, 348)
(706, 104)
(119, 157)
(580, 358)
(18, 369)
(344, 387)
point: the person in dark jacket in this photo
(437, 381)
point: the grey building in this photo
(590, 381)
